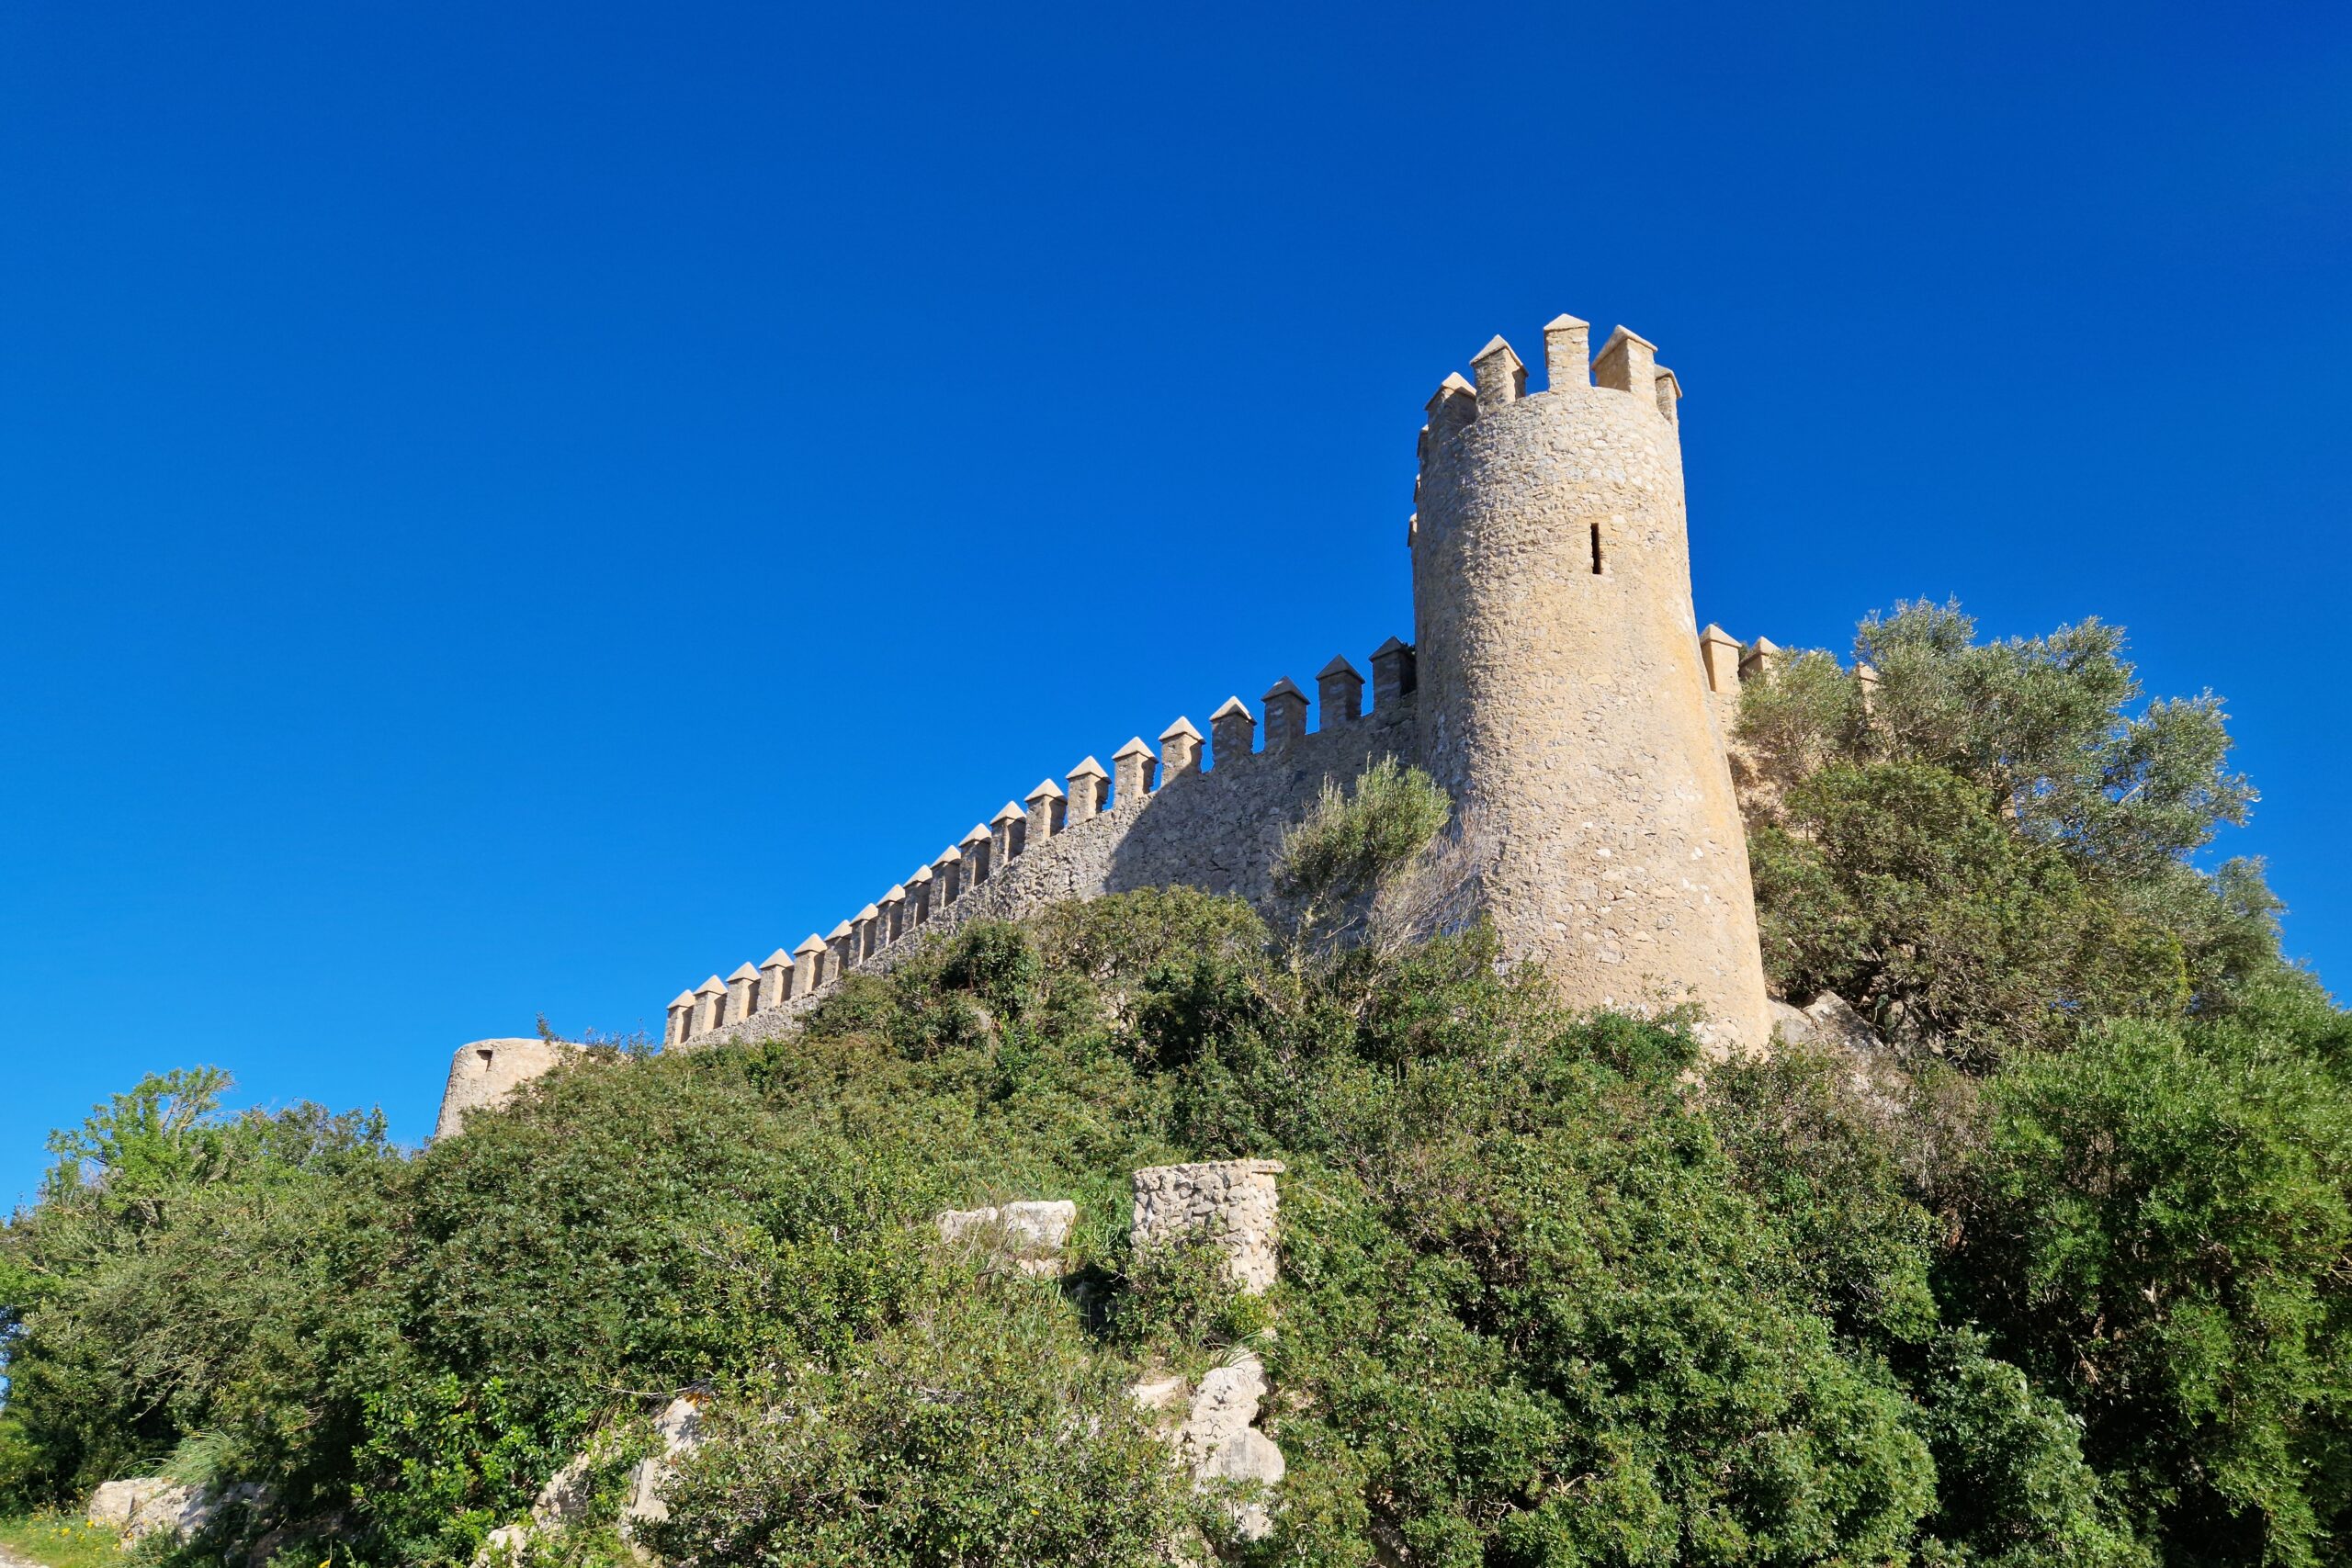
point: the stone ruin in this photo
(1231, 1202)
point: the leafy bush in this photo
(2000, 846)
(982, 1430)
(1547, 1296)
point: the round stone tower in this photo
(1561, 698)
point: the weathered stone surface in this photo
(564, 1500)
(680, 1428)
(1032, 1236)
(1234, 1203)
(488, 1072)
(140, 1504)
(1221, 1446)
(144, 1505)
(1565, 701)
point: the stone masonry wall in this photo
(1218, 829)
(487, 1072)
(1558, 688)
(1233, 1202)
(1560, 663)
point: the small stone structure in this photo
(1559, 687)
(1030, 1237)
(1232, 1203)
(487, 1073)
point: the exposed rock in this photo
(1155, 1394)
(1033, 1237)
(564, 1500)
(142, 1505)
(680, 1428)
(1834, 1022)
(1831, 1023)
(1228, 1401)
(1216, 1443)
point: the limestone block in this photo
(1338, 692)
(1233, 1202)
(1033, 1237)
(680, 1428)
(1166, 1392)
(1222, 1446)
(976, 847)
(564, 1501)
(142, 1505)
(147, 1505)
(488, 1072)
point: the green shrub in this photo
(1547, 1296)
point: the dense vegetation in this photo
(2059, 1278)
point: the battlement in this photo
(1085, 834)
(1555, 686)
(1627, 363)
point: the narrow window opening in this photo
(1596, 549)
(485, 1057)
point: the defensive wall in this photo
(1558, 686)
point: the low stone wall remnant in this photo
(1233, 1202)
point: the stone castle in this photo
(1557, 685)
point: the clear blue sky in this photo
(513, 508)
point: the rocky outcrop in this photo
(1032, 1238)
(566, 1499)
(144, 1505)
(1218, 1443)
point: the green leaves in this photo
(1547, 1295)
(2160, 1234)
(1996, 850)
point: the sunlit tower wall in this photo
(1562, 702)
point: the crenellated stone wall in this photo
(1166, 820)
(1558, 686)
